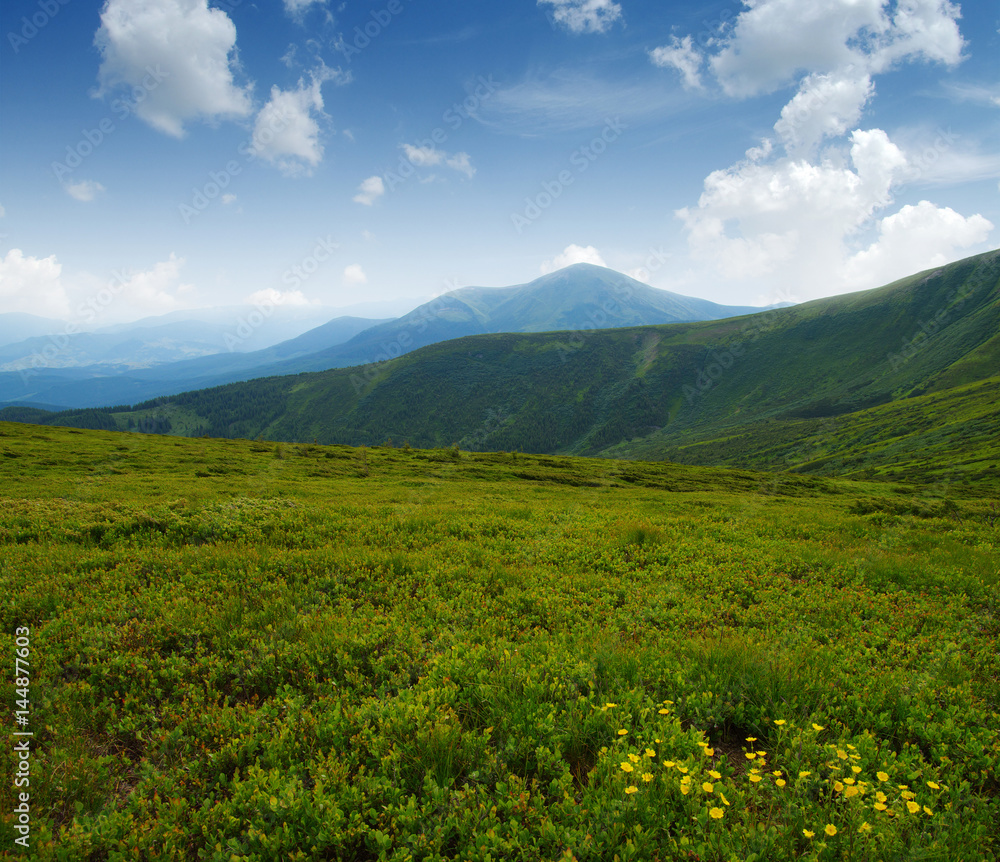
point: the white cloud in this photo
(682, 56)
(286, 133)
(825, 106)
(354, 274)
(573, 254)
(423, 157)
(178, 54)
(584, 16)
(84, 190)
(32, 285)
(789, 217)
(228, 199)
(370, 191)
(155, 290)
(913, 239)
(462, 163)
(295, 8)
(270, 296)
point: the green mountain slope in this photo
(755, 389)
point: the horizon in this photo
(392, 153)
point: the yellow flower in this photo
(683, 770)
(709, 752)
(838, 787)
(780, 782)
(754, 779)
(622, 732)
(714, 774)
(626, 766)
(750, 755)
(631, 789)
(650, 752)
(685, 788)
(841, 754)
(762, 754)
(779, 721)
(668, 763)
(647, 777)
(808, 833)
(851, 792)
(817, 727)
(707, 787)
(908, 794)
(880, 806)
(805, 774)
(725, 801)
(855, 769)
(715, 813)
(881, 797)
(933, 785)
(634, 758)
(751, 739)
(927, 811)
(664, 711)
(865, 827)
(657, 741)
(830, 829)
(610, 705)
(776, 773)
(912, 807)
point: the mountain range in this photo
(164, 356)
(901, 382)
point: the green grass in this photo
(436, 654)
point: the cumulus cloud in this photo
(296, 8)
(913, 239)
(681, 55)
(584, 16)
(84, 190)
(155, 290)
(573, 254)
(32, 285)
(370, 191)
(286, 134)
(354, 274)
(178, 54)
(791, 209)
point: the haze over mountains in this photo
(901, 381)
(164, 356)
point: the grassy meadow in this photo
(257, 651)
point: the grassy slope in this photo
(252, 650)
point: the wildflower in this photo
(622, 732)
(805, 774)
(912, 807)
(708, 787)
(610, 705)
(838, 787)
(865, 827)
(880, 806)
(855, 769)
(881, 797)
(626, 766)
(908, 794)
(848, 781)
(713, 774)
(647, 777)
(933, 785)
(668, 763)
(604, 749)
(650, 752)
(683, 770)
(808, 833)
(750, 755)
(725, 801)
(751, 739)
(927, 811)
(754, 779)
(709, 752)
(881, 776)
(776, 773)
(685, 788)
(715, 813)
(817, 727)
(779, 721)
(780, 782)
(657, 741)
(830, 829)
(634, 758)
(851, 792)
(631, 789)
(841, 754)
(664, 711)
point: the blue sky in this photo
(193, 154)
